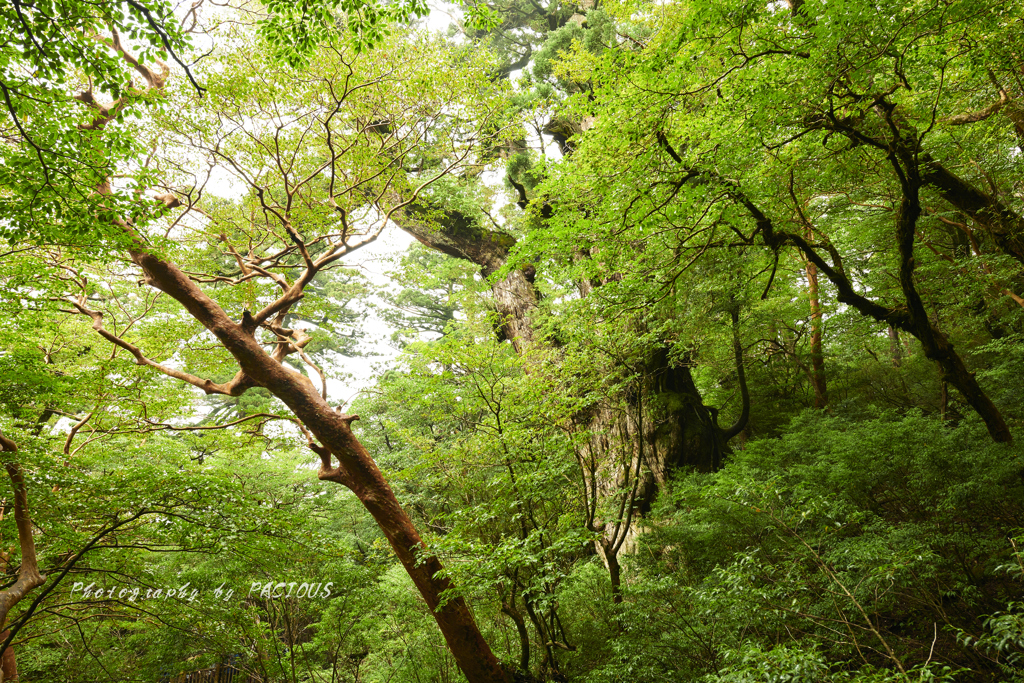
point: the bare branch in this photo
(236, 387)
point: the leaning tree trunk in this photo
(355, 468)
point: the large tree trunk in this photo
(679, 438)
(460, 236)
(355, 467)
(636, 440)
(636, 443)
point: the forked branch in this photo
(236, 387)
(28, 574)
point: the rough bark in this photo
(460, 236)
(895, 350)
(633, 451)
(687, 427)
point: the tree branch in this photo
(236, 387)
(28, 574)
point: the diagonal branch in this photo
(981, 115)
(155, 25)
(236, 387)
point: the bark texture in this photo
(460, 236)
(659, 427)
(8, 662)
(635, 446)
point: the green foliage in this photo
(51, 66)
(874, 539)
(828, 554)
(296, 29)
(434, 288)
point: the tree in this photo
(633, 441)
(812, 102)
(339, 173)
(659, 401)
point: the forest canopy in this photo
(705, 359)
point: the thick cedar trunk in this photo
(462, 237)
(515, 298)
(631, 453)
(355, 470)
(683, 437)
(633, 450)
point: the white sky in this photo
(374, 260)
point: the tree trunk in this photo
(817, 356)
(460, 236)
(8, 662)
(1004, 224)
(895, 350)
(913, 318)
(611, 560)
(355, 470)
(935, 344)
(28, 574)
(508, 607)
(636, 440)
